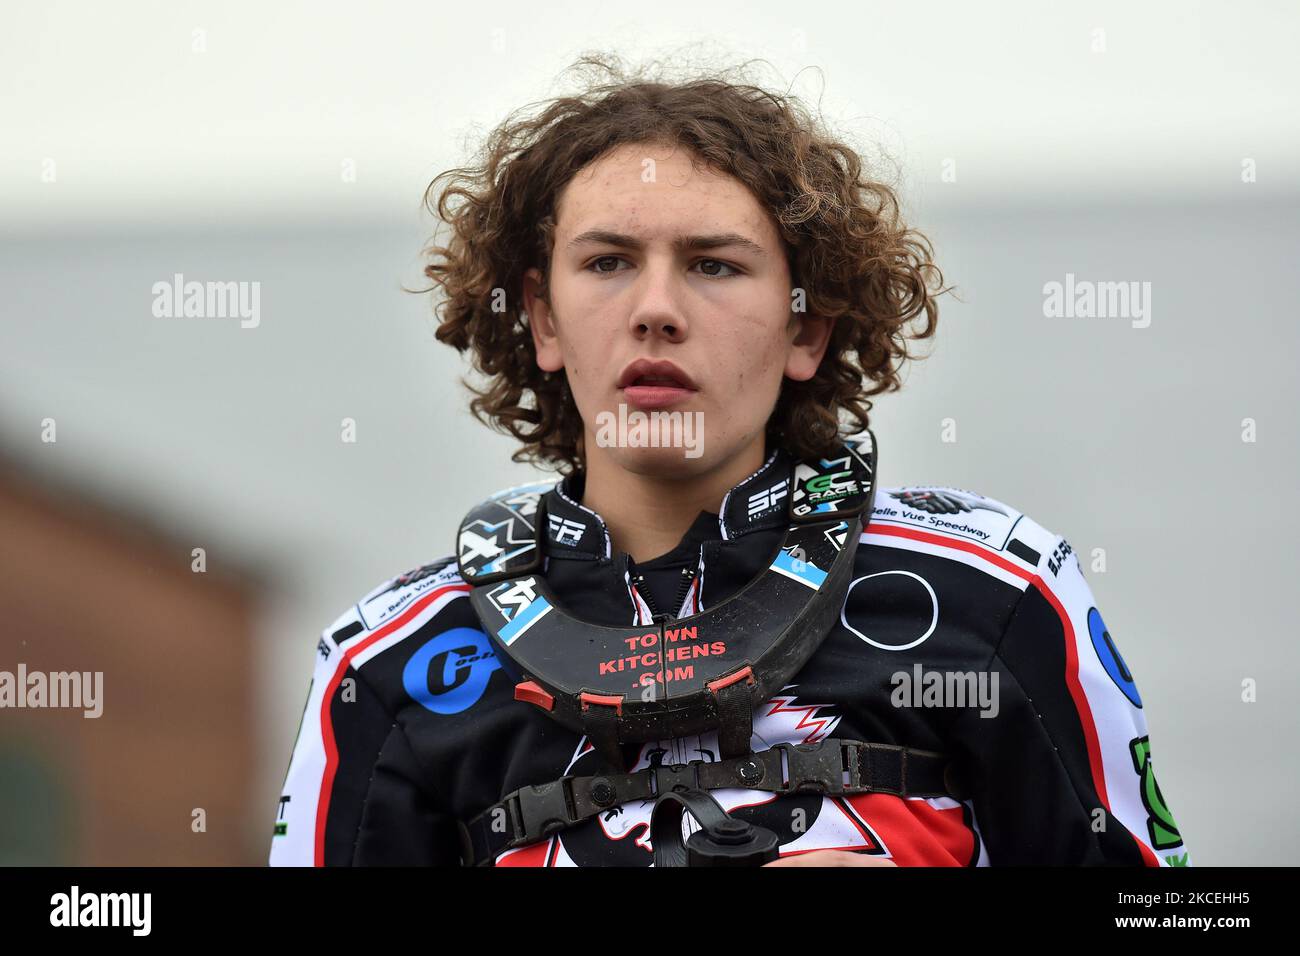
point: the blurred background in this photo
(289, 144)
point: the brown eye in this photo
(715, 263)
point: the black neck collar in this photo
(756, 503)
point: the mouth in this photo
(652, 384)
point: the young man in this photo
(704, 249)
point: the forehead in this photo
(653, 187)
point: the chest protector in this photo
(680, 677)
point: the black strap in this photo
(666, 823)
(530, 813)
(736, 719)
(600, 722)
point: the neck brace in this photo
(676, 677)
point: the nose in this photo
(655, 312)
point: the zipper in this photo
(684, 585)
(688, 575)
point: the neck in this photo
(647, 515)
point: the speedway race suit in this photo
(411, 723)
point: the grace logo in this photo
(828, 487)
(450, 672)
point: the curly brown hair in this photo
(847, 246)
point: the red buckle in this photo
(589, 699)
(529, 691)
(745, 674)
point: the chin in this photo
(664, 462)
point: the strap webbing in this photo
(831, 766)
(736, 719)
(600, 722)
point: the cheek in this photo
(766, 369)
(763, 347)
(587, 367)
(587, 344)
(754, 373)
(584, 361)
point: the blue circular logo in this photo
(450, 672)
(1110, 657)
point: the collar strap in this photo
(528, 814)
(754, 504)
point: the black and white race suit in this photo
(967, 629)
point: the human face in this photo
(657, 259)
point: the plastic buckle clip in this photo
(814, 767)
(545, 808)
(667, 778)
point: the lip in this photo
(655, 368)
(655, 396)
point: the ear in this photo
(811, 337)
(541, 323)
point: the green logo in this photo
(824, 486)
(1160, 821)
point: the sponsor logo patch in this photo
(386, 602)
(450, 672)
(962, 514)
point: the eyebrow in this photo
(681, 243)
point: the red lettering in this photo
(719, 647)
(607, 667)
